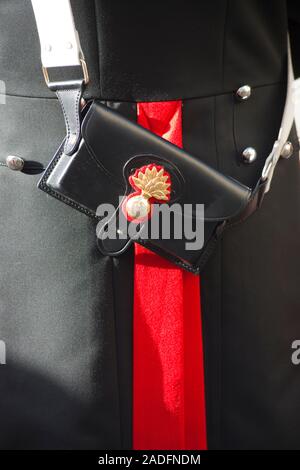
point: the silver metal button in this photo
(249, 155)
(287, 150)
(244, 92)
(15, 163)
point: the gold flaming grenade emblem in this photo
(152, 183)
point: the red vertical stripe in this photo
(168, 382)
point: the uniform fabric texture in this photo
(66, 312)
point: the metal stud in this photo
(287, 150)
(15, 163)
(244, 92)
(249, 155)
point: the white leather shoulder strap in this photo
(60, 45)
(297, 104)
(286, 124)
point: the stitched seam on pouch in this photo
(65, 115)
(62, 198)
(77, 127)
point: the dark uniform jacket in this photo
(65, 310)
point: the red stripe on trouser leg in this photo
(168, 376)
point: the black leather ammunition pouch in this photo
(110, 151)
